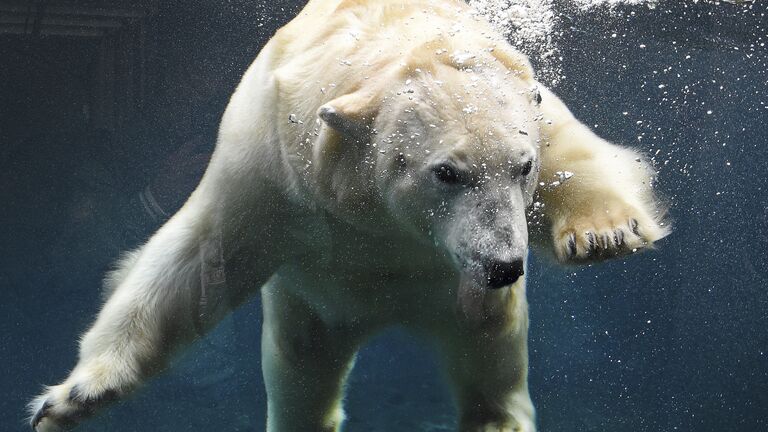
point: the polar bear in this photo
(375, 166)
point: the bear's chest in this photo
(360, 276)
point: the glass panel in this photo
(382, 216)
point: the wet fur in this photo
(337, 227)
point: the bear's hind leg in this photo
(305, 364)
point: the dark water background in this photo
(670, 340)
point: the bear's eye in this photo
(527, 168)
(447, 174)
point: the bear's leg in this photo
(597, 196)
(147, 318)
(305, 364)
(487, 366)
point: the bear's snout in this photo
(503, 273)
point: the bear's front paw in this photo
(605, 234)
(498, 426)
(494, 427)
(499, 422)
(64, 406)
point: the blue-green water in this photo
(674, 339)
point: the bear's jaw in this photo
(479, 308)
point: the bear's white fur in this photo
(375, 165)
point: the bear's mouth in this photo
(470, 297)
(478, 300)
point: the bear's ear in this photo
(351, 114)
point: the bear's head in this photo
(447, 143)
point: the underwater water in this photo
(672, 339)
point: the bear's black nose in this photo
(503, 273)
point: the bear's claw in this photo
(572, 246)
(594, 242)
(39, 415)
